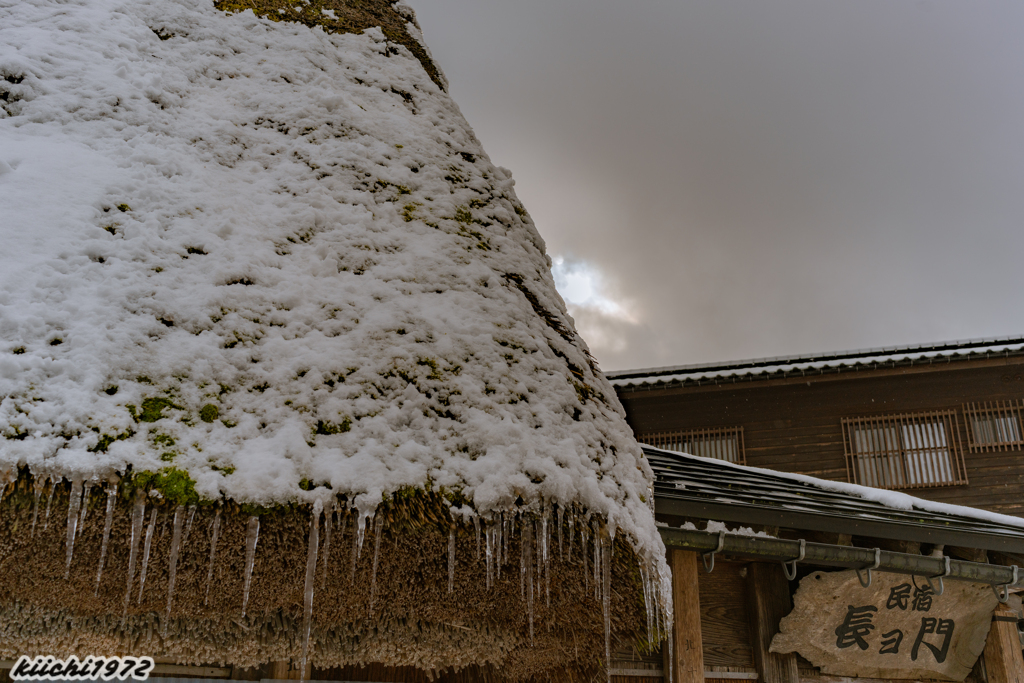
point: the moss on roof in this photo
(342, 16)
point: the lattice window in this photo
(721, 443)
(994, 426)
(904, 451)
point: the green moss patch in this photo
(152, 409)
(175, 485)
(325, 428)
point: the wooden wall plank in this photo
(725, 633)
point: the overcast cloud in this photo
(724, 179)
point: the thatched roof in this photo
(389, 605)
(264, 260)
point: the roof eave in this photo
(835, 523)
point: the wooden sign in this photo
(896, 628)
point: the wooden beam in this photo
(890, 544)
(768, 600)
(688, 652)
(1006, 559)
(287, 670)
(968, 554)
(1003, 660)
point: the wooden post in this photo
(688, 651)
(1003, 660)
(768, 601)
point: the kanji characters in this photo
(891, 642)
(922, 598)
(898, 596)
(855, 626)
(941, 627)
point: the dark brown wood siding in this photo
(794, 425)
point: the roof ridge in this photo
(815, 357)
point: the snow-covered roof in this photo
(693, 486)
(818, 364)
(278, 260)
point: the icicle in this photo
(476, 527)
(307, 591)
(378, 529)
(597, 558)
(213, 553)
(49, 501)
(252, 535)
(507, 530)
(606, 601)
(498, 545)
(361, 533)
(583, 553)
(138, 518)
(527, 547)
(357, 544)
(645, 577)
(74, 505)
(561, 512)
(489, 552)
(451, 558)
(569, 524)
(85, 507)
(188, 524)
(537, 552)
(543, 560)
(522, 569)
(328, 525)
(145, 552)
(38, 491)
(108, 521)
(179, 519)
(547, 581)
(543, 540)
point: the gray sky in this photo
(749, 178)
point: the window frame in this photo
(665, 439)
(998, 409)
(912, 460)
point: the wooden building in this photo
(942, 420)
(748, 548)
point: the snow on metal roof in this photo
(820, 363)
(691, 486)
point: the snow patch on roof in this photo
(763, 368)
(891, 499)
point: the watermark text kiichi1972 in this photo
(72, 669)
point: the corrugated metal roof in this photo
(690, 486)
(816, 364)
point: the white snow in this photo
(770, 366)
(309, 235)
(891, 499)
(715, 527)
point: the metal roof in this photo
(690, 486)
(816, 364)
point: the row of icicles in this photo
(494, 534)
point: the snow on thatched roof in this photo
(276, 260)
